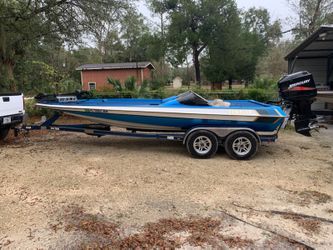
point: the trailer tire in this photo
(3, 133)
(202, 144)
(241, 145)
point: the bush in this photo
(264, 83)
(130, 83)
(69, 86)
(116, 84)
(33, 111)
(143, 92)
(257, 94)
(260, 90)
(159, 93)
(243, 94)
(156, 84)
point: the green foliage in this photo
(32, 111)
(36, 77)
(193, 27)
(264, 83)
(144, 89)
(41, 43)
(116, 84)
(5, 82)
(156, 84)
(130, 83)
(310, 15)
(272, 64)
(257, 94)
(68, 86)
(131, 89)
(38, 30)
(260, 90)
(135, 34)
(238, 45)
(258, 21)
(224, 58)
(114, 49)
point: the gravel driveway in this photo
(62, 190)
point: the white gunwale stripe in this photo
(197, 113)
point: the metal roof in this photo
(128, 65)
(318, 45)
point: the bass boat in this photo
(240, 126)
(177, 113)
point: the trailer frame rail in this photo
(98, 130)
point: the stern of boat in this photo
(298, 91)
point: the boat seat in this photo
(219, 103)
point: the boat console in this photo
(193, 99)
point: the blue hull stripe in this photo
(183, 123)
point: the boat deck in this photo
(235, 104)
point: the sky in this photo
(279, 9)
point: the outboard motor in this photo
(298, 92)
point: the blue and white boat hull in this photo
(170, 115)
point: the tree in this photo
(36, 77)
(223, 57)
(258, 21)
(193, 25)
(133, 33)
(239, 43)
(161, 7)
(113, 48)
(105, 27)
(27, 24)
(273, 65)
(132, 41)
(158, 45)
(311, 15)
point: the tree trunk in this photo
(162, 25)
(12, 85)
(230, 83)
(316, 14)
(196, 65)
(9, 69)
(162, 35)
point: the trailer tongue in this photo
(298, 92)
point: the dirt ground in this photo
(70, 191)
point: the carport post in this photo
(330, 71)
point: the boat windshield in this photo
(192, 99)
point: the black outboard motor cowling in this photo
(297, 86)
(298, 92)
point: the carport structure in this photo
(315, 54)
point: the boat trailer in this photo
(201, 142)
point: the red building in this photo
(94, 76)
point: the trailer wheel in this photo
(202, 144)
(3, 133)
(241, 145)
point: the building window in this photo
(92, 85)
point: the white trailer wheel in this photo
(202, 144)
(241, 145)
